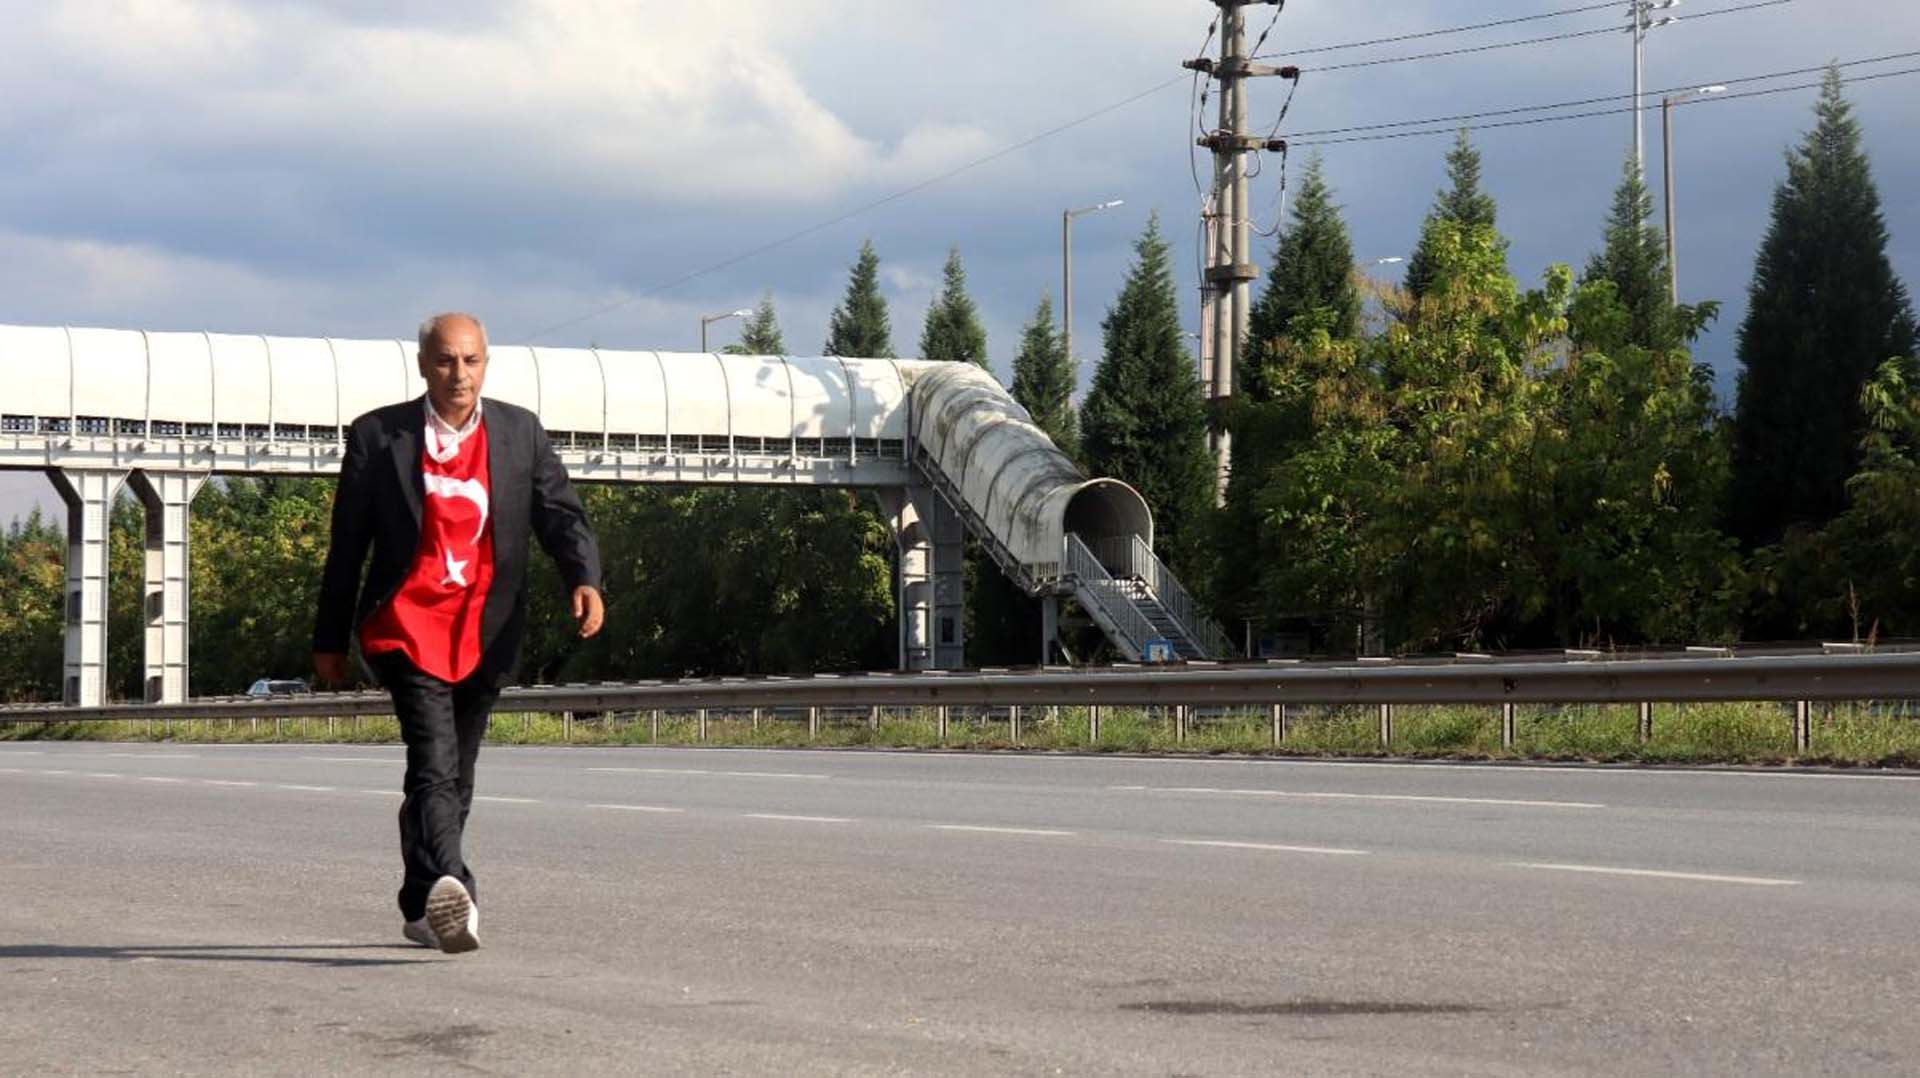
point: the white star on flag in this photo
(456, 571)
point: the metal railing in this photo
(1110, 601)
(1130, 556)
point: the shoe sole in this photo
(448, 908)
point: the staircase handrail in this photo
(1131, 556)
(1095, 585)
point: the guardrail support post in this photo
(873, 718)
(1013, 724)
(653, 725)
(1093, 724)
(1507, 724)
(566, 726)
(703, 725)
(1803, 726)
(813, 723)
(1386, 726)
(1180, 723)
(1646, 721)
(756, 720)
(940, 723)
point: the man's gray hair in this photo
(432, 326)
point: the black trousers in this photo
(442, 724)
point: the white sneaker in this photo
(421, 933)
(452, 917)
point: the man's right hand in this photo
(330, 668)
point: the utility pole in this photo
(1227, 293)
(1066, 268)
(1641, 13)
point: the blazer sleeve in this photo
(559, 520)
(352, 532)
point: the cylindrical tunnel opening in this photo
(1106, 514)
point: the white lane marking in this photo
(1565, 769)
(58, 771)
(1265, 846)
(510, 800)
(795, 819)
(228, 782)
(152, 755)
(703, 771)
(13, 771)
(1700, 877)
(638, 808)
(24, 752)
(381, 793)
(1331, 796)
(354, 759)
(103, 775)
(997, 830)
(159, 778)
(308, 789)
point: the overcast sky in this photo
(343, 167)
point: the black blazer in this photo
(378, 504)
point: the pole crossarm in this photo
(1472, 681)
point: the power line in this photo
(1469, 50)
(1450, 30)
(1468, 116)
(1605, 112)
(858, 210)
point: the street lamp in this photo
(709, 319)
(1666, 130)
(1390, 260)
(1066, 268)
(1643, 21)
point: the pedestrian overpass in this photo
(943, 446)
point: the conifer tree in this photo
(953, 332)
(1143, 421)
(761, 335)
(1312, 270)
(1824, 312)
(1043, 380)
(1463, 203)
(859, 327)
(1634, 261)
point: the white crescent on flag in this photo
(446, 486)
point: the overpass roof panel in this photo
(109, 373)
(35, 369)
(879, 393)
(822, 405)
(374, 374)
(697, 387)
(241, 389)
(572, 392)
(303, 382)
(636, 393)
(513, 375)
(760, 390)
(181, 390)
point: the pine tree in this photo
(1463, 203)
(859, 327)
(1634, 261)
(1043, 380)
(1824, 312)
(953, 331)
(761, 335)
(1144, 422)
(1312, 270)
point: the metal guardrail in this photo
(1469, 680)
(1130, 556)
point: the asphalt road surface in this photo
(210, 909)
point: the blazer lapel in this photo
(407, 439)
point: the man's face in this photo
(454, 363)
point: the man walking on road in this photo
(446, 492)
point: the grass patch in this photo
(1865, 734)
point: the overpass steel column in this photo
(167, 498)
(88, 493)
(930, 537)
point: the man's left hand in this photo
(588, 610)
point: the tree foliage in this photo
(1143, 421)
(1462, 203)
(1825, 311)
(859, 327)
(1312, 271)
(1044, 378)
(761, 335)
(953, 332)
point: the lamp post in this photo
(709, 319)
(1666, 131)
(1643, 21)
(1066, 268)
